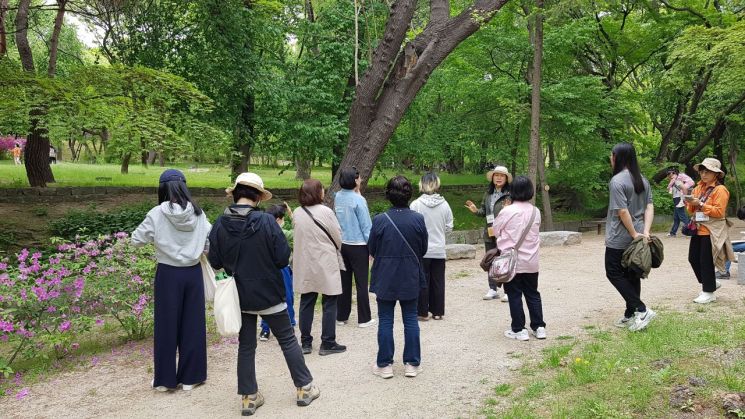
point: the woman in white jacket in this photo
(438, 218)
(178, 228)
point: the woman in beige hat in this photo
(496, 196)
(710, 245)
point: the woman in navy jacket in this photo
(398, 241)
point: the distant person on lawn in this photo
(17, 154)
(508, 228)
(178, 228)
(354, 218)
(630, 215)
(249, 244)
(494, 199)
(438, 217)
(398, 241)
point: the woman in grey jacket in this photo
(178, 228)
(439, 220)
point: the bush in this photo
(48, 302)
(90, 223)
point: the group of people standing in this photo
(321, 252)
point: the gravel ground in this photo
(463, 356)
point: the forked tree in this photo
(398, 70)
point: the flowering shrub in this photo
(7, 143)
(45, 303)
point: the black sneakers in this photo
(333, 348)
(307, 349)
(264, 335)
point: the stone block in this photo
(560, 238)
(460, 251)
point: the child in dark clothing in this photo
(279, 212)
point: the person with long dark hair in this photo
(494, 199)
(711, 245)
(249, 244)
(630, 215)
(354, 218)
(178, 228)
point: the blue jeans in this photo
(679, 216)
(412, 348)
(289, 297)
(737, 248)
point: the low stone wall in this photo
(77, 194)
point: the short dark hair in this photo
(672, 169)
(277, 211)
(248, 192)
(176, 192)
(522, 189)
(348, 177)
(741, 213)
(398, 191)
(310, 193)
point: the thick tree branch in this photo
(439, 11)
(54, 40)
(21, 36)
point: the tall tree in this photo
(399, 69)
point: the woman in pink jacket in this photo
(508, 227)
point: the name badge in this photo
(490, 218)
(700, 216)
(490, 231)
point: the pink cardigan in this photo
(509, 225)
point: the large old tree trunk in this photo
(398, 71)
(535, 98)
(3, 37)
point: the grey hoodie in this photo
(178, 233)
(438, 217)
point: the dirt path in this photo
(463, 356)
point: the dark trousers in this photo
(524, 284)
(432, 298)
(357, 260)
(626, 281)
(489, 244)
(702, 262)
(179, 326)
(279, 323)
(328, 321)
(679, 216)
(289, 298)
(412, 348)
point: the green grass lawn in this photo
(212, 176)
(620, 374)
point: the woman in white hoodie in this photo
(178, 228)
(438, 217)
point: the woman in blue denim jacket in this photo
(354, 219)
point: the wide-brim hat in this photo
(253, 180)
(499, 169)
(711, 164)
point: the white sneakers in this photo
(641, 320)
(491, 294)
(382, 372)
(338, 323)
(412, 370)
(521, 335)
(623, 322)
(539, 333)
(366, 324)
(705, 298)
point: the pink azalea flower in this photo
(22, 394)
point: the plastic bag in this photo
(227, 308)
(208, 277)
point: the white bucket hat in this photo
(253, 180)
(499, 169)
(711, 164)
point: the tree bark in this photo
(393, 79)
(54, 40)
(3, 30)
(125, 163)
(24, 48)
(535, 99)
(245, 136)
(548, 217)
(303, 168)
